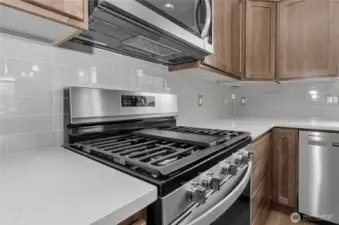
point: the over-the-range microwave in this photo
(162, 31)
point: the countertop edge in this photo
(129, 209)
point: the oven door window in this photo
(188, 14)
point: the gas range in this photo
(136, 132)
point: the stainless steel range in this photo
(202, 175)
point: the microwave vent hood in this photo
(114, 29)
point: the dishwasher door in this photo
(319, 175)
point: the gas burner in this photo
(161, 152)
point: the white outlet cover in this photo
(335, 100)
(199, 100)
(329, 100)
(243, 100)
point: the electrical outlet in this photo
(199, 100)
(243, 101)
(335, 100)
(329, 100)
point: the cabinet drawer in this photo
(261, 147)
(259, 197)
(259, 172)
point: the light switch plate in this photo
(335, 100)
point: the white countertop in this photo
(258, 126)
(58, 187)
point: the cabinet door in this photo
(70, 8)
(285, 167)
(260, 40)
(228, 37)
(333, 38)
(303, 39)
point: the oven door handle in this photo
(212, 214)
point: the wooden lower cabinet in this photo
(140, 218)
(261, 181)
(285, 167)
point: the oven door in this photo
(232, 209)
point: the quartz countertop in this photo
(259, 126)
(56, 186)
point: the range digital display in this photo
(137, 101)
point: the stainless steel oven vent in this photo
(150, 46)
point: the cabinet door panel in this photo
(228, 37)
(303, 38)
(334, 37)
(285, 167)
(259, 198)
(71, 8)
(260, 40)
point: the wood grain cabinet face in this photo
(306, 33)
(70, 8)
(228, 37)
(261, 179)
(260, 40)
(284, 164)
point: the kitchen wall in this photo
(33, 75)
(300, 99)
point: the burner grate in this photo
(155, 155)
(216, 132)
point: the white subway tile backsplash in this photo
(3, 106)
(23, 142)
(2, 64)
(27, 68)
(25, 124)
(288, 100)
(29, 87)
(59, 137)
(2, 144)
(58, 105)
(21, 48)
(33, 77)
(58, 122)
(28, 105)
(1, 51)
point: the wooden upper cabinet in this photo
(260, 40)
(71, 8)
(306, 38)
(50, 21)
(284, 164)
(228, 37)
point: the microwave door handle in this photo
(212, 214)
(196, 15)
(208, 19)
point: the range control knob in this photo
(228, 169)
(211, 181)
(241, 159)
(196, 194)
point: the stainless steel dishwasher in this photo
(319, 175)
